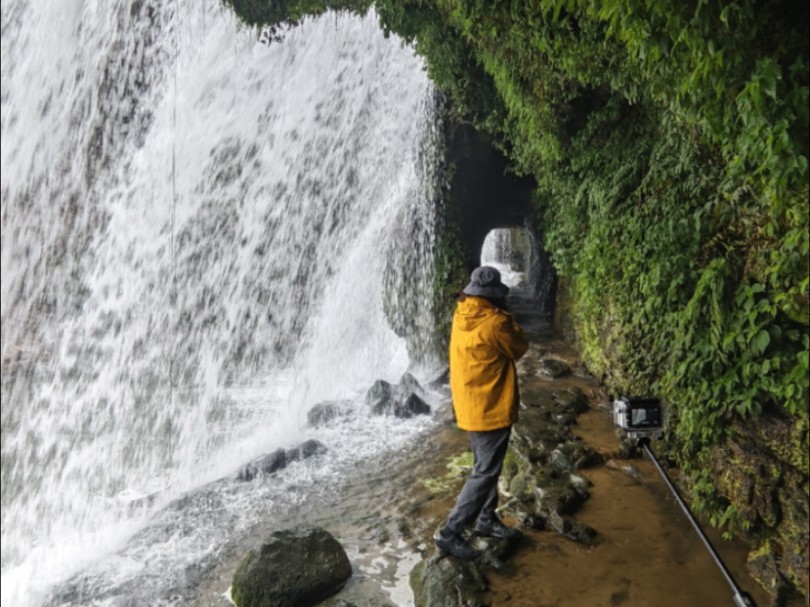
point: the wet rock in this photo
(445, 413)
(574, 530)
(763, 565)
(267, 464)
(588, 459)
(447, 581)
(305, 450)
(580, 484)
(441, 380)
(796, 560)
(628, 448)
(571, 400)
(408, 384)
(413, 405)
(323, 413)
(522, 485)
(538, 398)
(560, 462)
(386, 399)
(533, 520)
(496, 551)
(279, 459)
(381, 398)
(291, 568)
(537, 434)
(558, 498)
(553, 368)
(565, 419)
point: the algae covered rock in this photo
(292, 568)
(449, 582)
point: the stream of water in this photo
(195, 228)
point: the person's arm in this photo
(509, 338)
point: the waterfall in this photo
(512, 252)
(195, 232)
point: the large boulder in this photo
(292, 568)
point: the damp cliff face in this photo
(669, 149)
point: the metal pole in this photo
(741, 598)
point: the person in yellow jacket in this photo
(485, 342)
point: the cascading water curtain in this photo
(196, 234)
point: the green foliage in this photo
(669, 143)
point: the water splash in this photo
(195, 229)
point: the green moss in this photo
(522, 485)
(511, 465)
(458, 468)
(240, 575)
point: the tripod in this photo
(741, 598)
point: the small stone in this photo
(560, 462)
(554, 368)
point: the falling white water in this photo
(195, 228)
(509, 250)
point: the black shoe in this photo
(495, 528)
(455, 545)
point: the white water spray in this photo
(194, 232)
(511, 251)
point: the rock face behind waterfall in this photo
(292, 568)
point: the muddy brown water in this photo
(647, 555)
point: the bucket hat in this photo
(486, 282)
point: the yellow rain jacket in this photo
(484, 344)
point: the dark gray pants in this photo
(479, 496)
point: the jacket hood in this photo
(473, 311)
